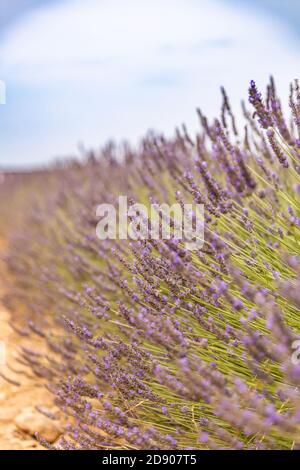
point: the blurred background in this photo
(84, 71)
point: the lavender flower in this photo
(150, 346)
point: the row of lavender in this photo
(152, 346)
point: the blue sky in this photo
(84, 71)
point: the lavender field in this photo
(144, 344)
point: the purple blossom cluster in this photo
(152, 346)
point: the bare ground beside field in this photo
(20, 390)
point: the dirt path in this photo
(14, 399)
(20, 393)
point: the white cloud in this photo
(93, 69)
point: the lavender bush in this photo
(152, 346)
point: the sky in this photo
(85, 71)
